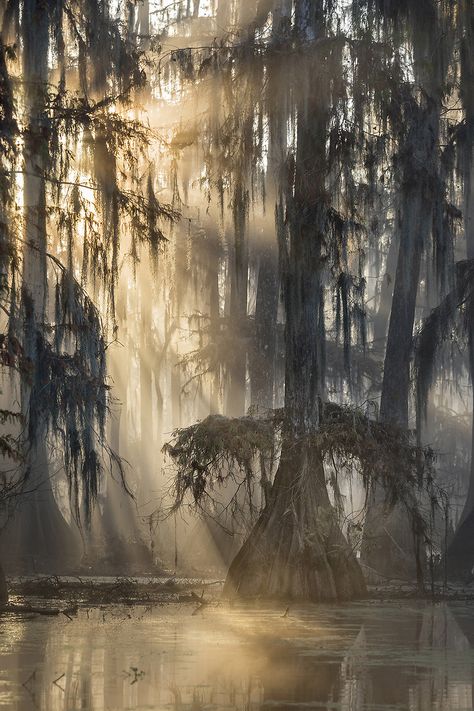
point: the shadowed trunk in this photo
(297, 550)
(262, 355)
(388, 541)
(114, 541)
(148, 462)
(38, 538)
(3, 588)
(389, 545)
(235, 406)
(39, 529)
(460, 553)
(382, 316)
(214, 314)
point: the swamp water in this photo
(407, 655)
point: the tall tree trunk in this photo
(262, 353)
(460, 553)
(389, 543)
(214, 313)
(297, 550)
(239, 262)
(3, 588)
(146, 383)
(382, 316)
(143, 22)
(115, 539)
(262, 357)
(390, 546)
(39, 530)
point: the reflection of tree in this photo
(353, 674)
(26, 666)
(465, 624)
(300, 661)
(409, 658)
(351, 658)
(289, 679)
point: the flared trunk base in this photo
(389, 545)
(296, 550)
(460, 554)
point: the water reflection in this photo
(352, 658)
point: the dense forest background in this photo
(236, 270)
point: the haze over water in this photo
(364, 656)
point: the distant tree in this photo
(80, 185)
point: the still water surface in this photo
(361, 656)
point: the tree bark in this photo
(297, 550)
(39, 529)
(388, 544)
(146, 387)
(238, 265)
(214, 312)
(3, 588)
(460, 553)
(262, 354)
(382, 316)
